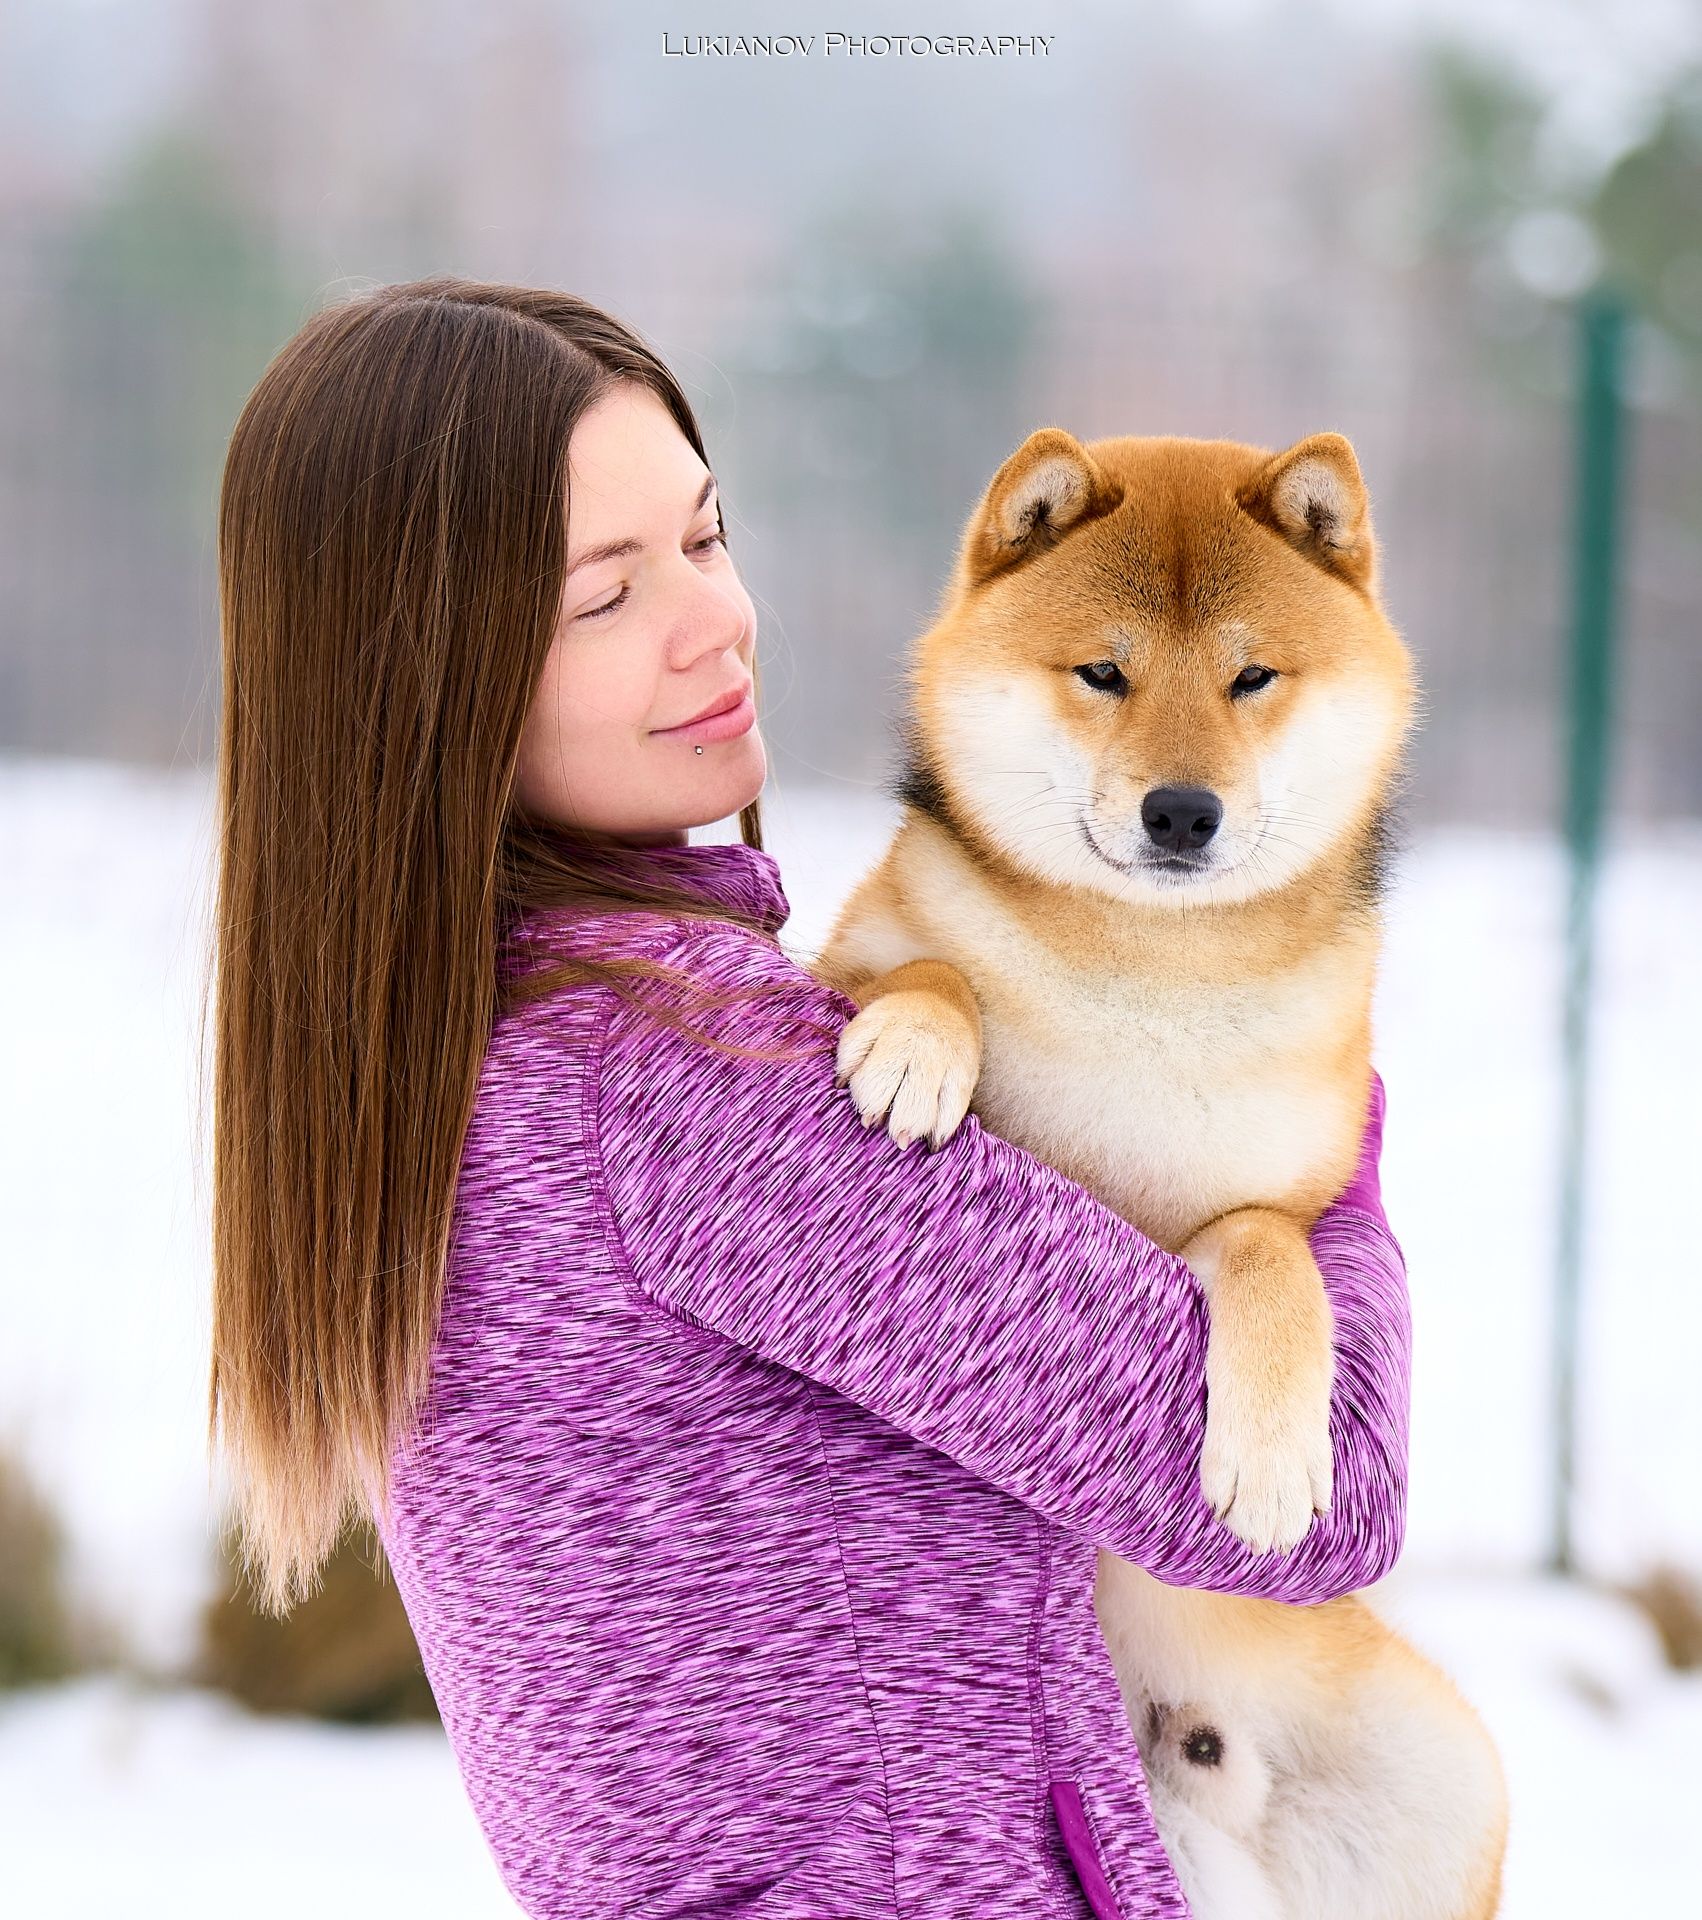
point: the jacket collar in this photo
(732, 875)
(727, 874)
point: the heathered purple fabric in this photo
(749, 1531)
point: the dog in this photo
(1153, 742)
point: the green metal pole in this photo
(1597, 498)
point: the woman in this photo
(742, 1472)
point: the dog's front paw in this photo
(912, 1057)
(1266, 1468)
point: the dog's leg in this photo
(914, 1051)
(1269, 1367)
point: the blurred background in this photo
(1469, 236)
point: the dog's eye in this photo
(1104, 676)
(1251, 679)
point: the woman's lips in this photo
(725, 725)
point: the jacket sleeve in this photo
(975, 1297)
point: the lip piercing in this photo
(697, 749)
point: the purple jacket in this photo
(749, 1532)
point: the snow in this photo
(1598, 1737)
(119, 1798)
(115, 1792)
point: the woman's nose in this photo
(716, 616)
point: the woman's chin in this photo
(749, 771)
(729, 783)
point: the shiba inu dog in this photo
(1153, 743)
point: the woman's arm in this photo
(975, 1297)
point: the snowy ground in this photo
(167, 1800)
(119, 1799)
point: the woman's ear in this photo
(1048, 487)
(1313, 495)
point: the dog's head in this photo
(1162, 668)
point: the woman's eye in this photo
(1251, 679)
(608, 606)
(715, 539)
(1103, 675)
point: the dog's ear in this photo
(1314, 497)
(1048, 487)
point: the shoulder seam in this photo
(812, 1400)
(614, 1242)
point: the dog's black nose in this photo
(1180, 819)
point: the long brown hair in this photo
(392, 539)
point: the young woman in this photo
(742, 1472)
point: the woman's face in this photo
(647, 638)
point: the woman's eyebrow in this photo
(618, 549)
